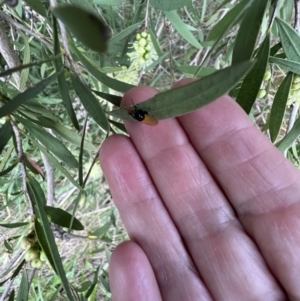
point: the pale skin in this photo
(212, 208)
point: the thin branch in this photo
(50, 180)
(21, 160)
(9, 54)
(7, 288)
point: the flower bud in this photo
(138, 36)
(142, 42)
(296, 79)
(36, 263)
(31, 254)
(43, 256)
(261, 93)
(267, 75)
(144, 34)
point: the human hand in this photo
(212, 208)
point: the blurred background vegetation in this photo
(147, 42)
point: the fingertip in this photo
(131, 275)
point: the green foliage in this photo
(62, 95)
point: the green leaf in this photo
(114, 99)
(13, 225)
(121, 35)
(24, 288)
(26, 60)
(90, 103)
(8, 246)
(228, 21)
(182, 29)
(37, 6)
(21, 67)
(290, 40)
(86, 26)
(248, 31)
(118, 125)
(30, 93)
(46, 238)
(279, 106)
(290, 137)
(87, 5)
(274, 49)
(55, 163)
(102, 77)
(62, 83)
(100, 232)
(95, 282)
(38, 191)
(5, 134)
(63, 218)
(9, 169)
(191, 70)
(11, 296)
(286, 64)
(50, 142)
(71, 136)
(108, 2)
(168, 4)
(252, 82)
(191, 97)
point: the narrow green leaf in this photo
(21, 67)
(286, 64)
(62, 83)
(100, 232)
(11, 296)
(72, 137)
(191, 70)
(24, 288)
(87, 5)
(118, 125)
(274, 49)
(107, 3)
(8, 246)
(5, 134)
(290, 137)
(55, 163)
(22, 98)
(38, 191)
(13, 225)
(90, 103)
(121, 35)
(7, 170)
(50, 142)
(181, 28)
(228, 21)
(252, 82)
(290, 40)
(168, 5)
(46, 239)
(155, 43)
(248, 31)
(114, 99)
(26, 60)
(191, 97)
(95, 282)
(91, 30)
(279, 106)
(63, 218)
(37, 6)
(102, 77)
